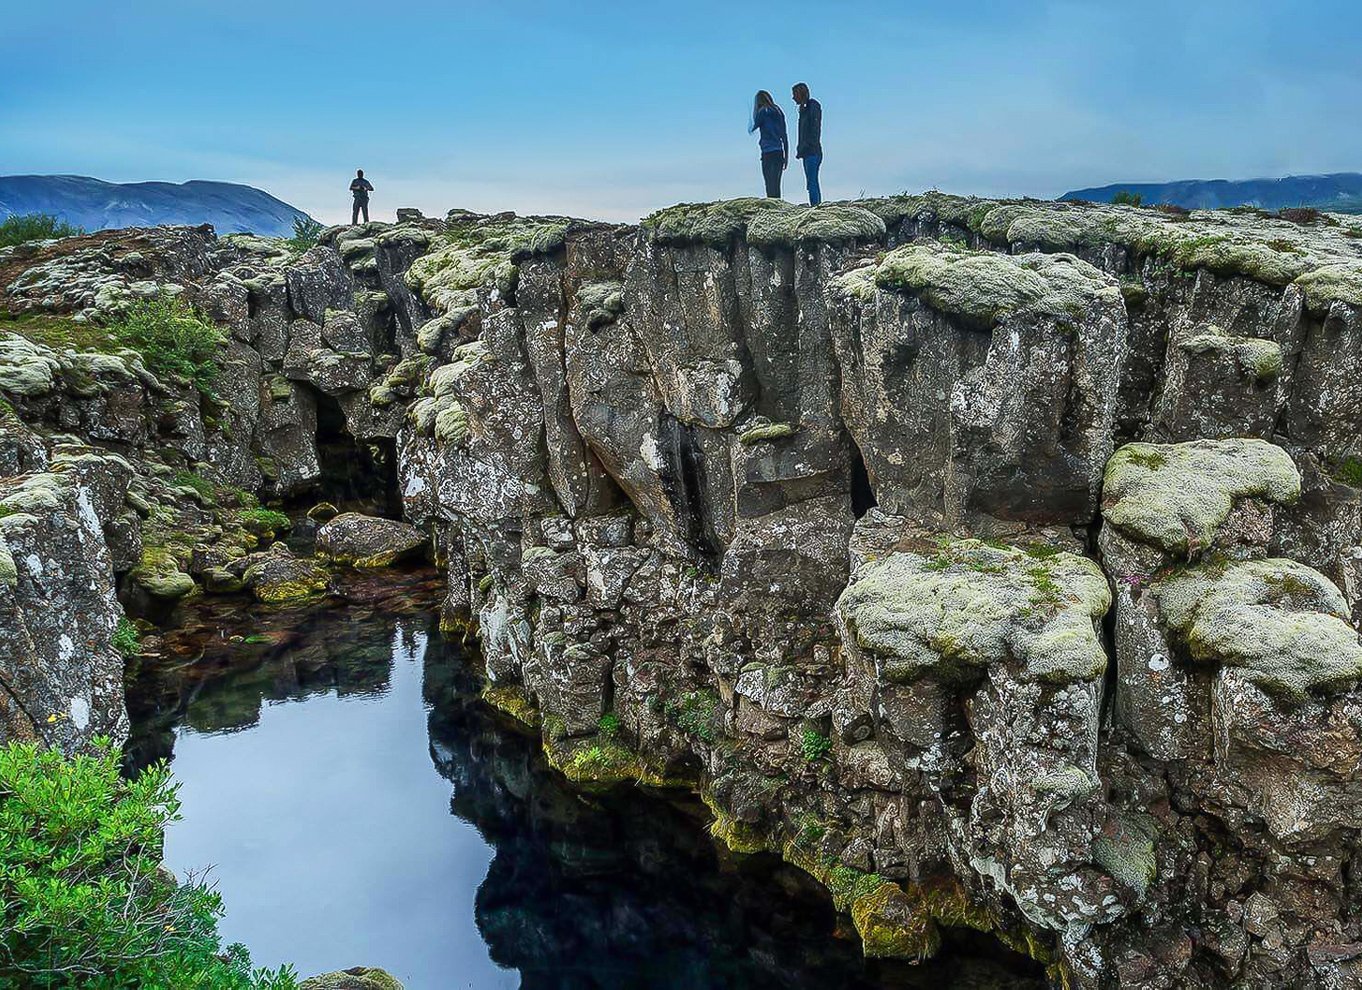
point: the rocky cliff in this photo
(997, 563)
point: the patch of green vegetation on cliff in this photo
(1176, 496)
(306, 231)
(57, 332)
(714, 224)
(174, 339)
(126, 639)
(1281, 623)
(21, 228)
(814, 746)
(1260, 359)
(1348, 471)
(86, 901)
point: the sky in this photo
(613, 109)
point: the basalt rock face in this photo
(994, 562)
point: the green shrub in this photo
(23, 227)
(814, 745)
(83, 899)
(305, 234)
(173, 339)
(126, 639)
(610, 725)
(1127, 198)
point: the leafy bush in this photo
(84, 901)
(126, 639)
(814, 745)
(23, 227)
(305, 233)
(173, 339)
(1127, 198)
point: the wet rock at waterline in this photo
(995, 558)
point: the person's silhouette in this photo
(360, 187)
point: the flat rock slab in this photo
(368, 541)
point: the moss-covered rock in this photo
(1259, 359)
(1175, 496)
(982, 287)
(973, 605)
(803, 225)
(1125, 848)
(1282, 624)
(365, 542)
(715, 224)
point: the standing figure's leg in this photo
(812, 163)
(354, 214)
(365, 207)
(770, 170)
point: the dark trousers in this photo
(360, 204)
(772, 164)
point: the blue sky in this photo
(613, 109)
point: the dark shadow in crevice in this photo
(360, 475)
(862, 494)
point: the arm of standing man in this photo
(784, 142)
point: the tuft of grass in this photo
(1304, 215)
(200, 484)
(24, 227)
(263, 520)
(174, 339)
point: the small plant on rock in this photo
(813, 746)
(1127, 198)
(305, 234)
(126, 639)
(174, 340)
(609, 725)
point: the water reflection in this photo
(329, 823)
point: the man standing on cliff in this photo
(361, 187)
(810, 146)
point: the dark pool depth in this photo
(360, 805)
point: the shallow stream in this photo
(359, 804)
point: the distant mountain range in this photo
(97, 205)
(1340, 192)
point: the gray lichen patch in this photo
(1175, 496)
(974, 605)
(1283, 624)
(708, 223)
(984, 287)
(803, 225)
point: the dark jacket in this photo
(361, 188)
(775, 136)
(810, 129)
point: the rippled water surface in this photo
(360, 805)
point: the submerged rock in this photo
(368, 541)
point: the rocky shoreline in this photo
(997, 563)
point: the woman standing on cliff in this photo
(774, 140)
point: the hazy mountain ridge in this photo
(1340, 192)
(98, 205)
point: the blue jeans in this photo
(811, 165)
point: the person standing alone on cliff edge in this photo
(774, 140)
(810, 146)
(361, 187)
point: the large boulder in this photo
(368, 541)
(354, 978)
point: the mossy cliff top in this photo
(1176, 496)
(1323, 257)
(475, 250)
(1283, 624)
(981, 287)
(973, 605)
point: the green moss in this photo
(1176, 496)
(477, 251)
(832, 223)
(970, 606)
(1126, 849)
(158, 573)
(58, 332)
(1348, 471)
(766, 431)
(715, 224)
(1259, 359)
(1283, 624)
(206, 490)
(982, 288)
(814, 746)
(262, 522)
(696, 714)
